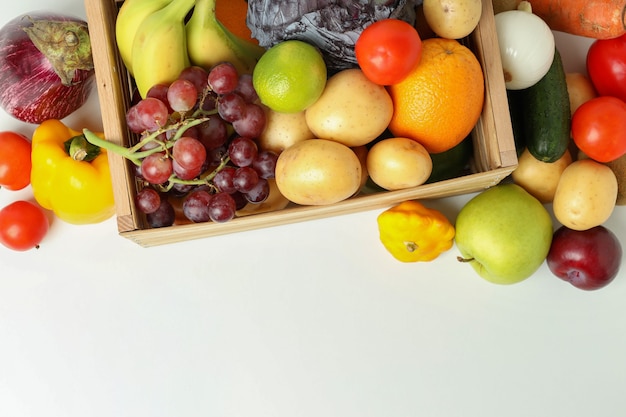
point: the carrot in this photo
(599, 19)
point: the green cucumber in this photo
(547, 118)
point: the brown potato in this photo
(580, 89)
(283, 130)
(540, 178)
(586, 195)
(452, 19)
(352, 109)
(398, 163)
(318, 172)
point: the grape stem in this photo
(204, 180)
(134, 153)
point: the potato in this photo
(540, 178)
(352, 110)
(586, 195)
(452, 19)
(318, 172)
(579, 88)
(283, 130)
(398, 163)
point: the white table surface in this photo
(311, 319)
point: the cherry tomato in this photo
(599, 128)
(15, 161)
(606, 65)
(387, 50)
(23, 225)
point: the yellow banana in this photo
(160, 50)
(129, 17)
(210, 42)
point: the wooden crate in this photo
(494, 148)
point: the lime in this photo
(290, 76)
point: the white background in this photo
(310, 319)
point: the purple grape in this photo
(245, 179)
(252, 121)
(242, 151)
(148, 200)
(231, 106)
(164, 216)
(213, 133)
(223, 78)
(156, 168)
(189, 153)
(259, 192)
(223, 180)
(196, 206)
(265, 164)
(197, 75)
(222, 208)
(245, 88)
(182, 95)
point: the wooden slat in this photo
(497, 146)
(114, 97)
(462, 185)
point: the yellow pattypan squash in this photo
(412, 232)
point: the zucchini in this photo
(547, 117)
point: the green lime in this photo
(290, 76)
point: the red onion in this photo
(46, 68)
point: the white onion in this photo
(526, 47)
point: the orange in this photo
(232, 14)
(440, 101)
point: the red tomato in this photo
(15, 161)
(606, 65)
(387, 50)
(599, 128)
(23, 225)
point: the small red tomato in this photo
(15, 163)
(23, 225)
(599, 128)
(387, 50)
(606, 65)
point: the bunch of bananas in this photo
(156, 40)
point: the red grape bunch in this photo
(197, 141)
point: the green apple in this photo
(504, 233)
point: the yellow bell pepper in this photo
(70, 176)
(412, 232)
